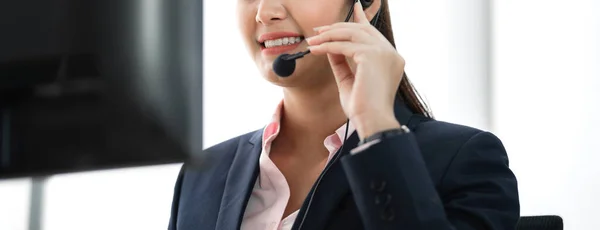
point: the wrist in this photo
(368, 125)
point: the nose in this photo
(270, 11)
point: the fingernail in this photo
(359, 5)
(308, 40)
(316, 29)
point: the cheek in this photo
(245, 22)
(319, 16)
(247, 27)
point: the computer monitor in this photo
(99, 84)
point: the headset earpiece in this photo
(366, 3)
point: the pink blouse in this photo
(271, 191)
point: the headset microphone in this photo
(285, 64)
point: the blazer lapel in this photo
(240, 181)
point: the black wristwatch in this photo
(385, 134)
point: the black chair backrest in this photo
(540, 223)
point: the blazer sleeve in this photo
(393, 190)
(175, 203)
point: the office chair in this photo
(540, 223)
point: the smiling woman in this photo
(350, 145)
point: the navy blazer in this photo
(440, 176)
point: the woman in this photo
(390, 167)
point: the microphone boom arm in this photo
(296, 55)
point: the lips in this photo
(277, 43)
(276, 35)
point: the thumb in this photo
(343, 74)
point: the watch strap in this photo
(385, 134)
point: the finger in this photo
(364, 27)
(359, 14)
(341, 68)
(341, 34)
(348, 49)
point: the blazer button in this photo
(378, 187)
(388, 214)
(386, 200)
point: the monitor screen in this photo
(98, 84)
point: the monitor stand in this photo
(36, 199)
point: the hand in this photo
(367, 71)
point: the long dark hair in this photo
(406, 91)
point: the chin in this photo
(275, 79)
(308, 72)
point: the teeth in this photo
(282, 42)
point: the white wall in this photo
(547, 104)
(446, 50)
(548, 124)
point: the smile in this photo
(282, 42)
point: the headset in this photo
(285, 64)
